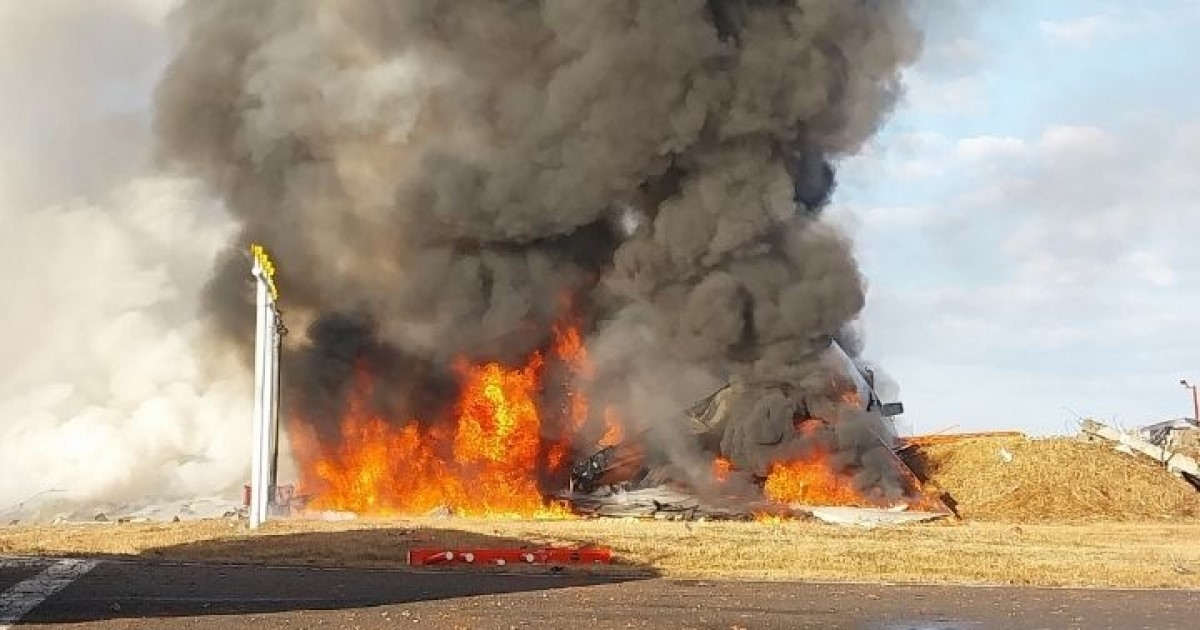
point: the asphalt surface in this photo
(13, 571)
(141, 595)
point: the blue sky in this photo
(1028, 220)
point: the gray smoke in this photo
(445, 173)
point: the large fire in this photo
(811, 481)
(490, 459)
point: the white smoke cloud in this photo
(102, 394)
(105, 389)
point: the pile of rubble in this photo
(1102, 474)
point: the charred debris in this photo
(634, 478)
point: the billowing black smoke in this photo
(440, 178)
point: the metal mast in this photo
(267, 341)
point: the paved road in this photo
(139, 595)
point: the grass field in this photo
(1144, 554)
(1055, 512)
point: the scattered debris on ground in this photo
(48, 509)
(1180, 435)
(1176, 463)
(869, 518)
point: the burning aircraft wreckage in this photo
(788, 462)
(522, 239)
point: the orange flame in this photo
(568, 346)
(811, 482)
(614, 430)
(721, 468)
(812, 479)
(489, 463)
(490, 458)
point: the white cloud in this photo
(961, 96)
(1090, 197)
(852, 218)
(1053, 267)
(1086, 31)
(956, 56)
(1043, 257)
(1015, 353)
(983, 149)
(1153, 267)
(1080, 31)
(951, 46)
(900, 217)
(911, 157)
(1070, 142)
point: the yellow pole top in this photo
(268, 268)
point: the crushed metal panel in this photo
(868, 518)
(666, 502)
(1175, 462)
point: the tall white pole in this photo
(258, 463)
(267, 339)
(277, 333)
(270, 415)
(264, 443)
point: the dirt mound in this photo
(1057, 479)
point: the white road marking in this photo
(19, 600)
(20, 562)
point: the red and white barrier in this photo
(502, 557)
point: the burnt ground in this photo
(148, 595)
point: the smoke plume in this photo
(438, 178)
(107, 389)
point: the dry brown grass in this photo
(1096, 554)
(1053, 480)
(1061, 513)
